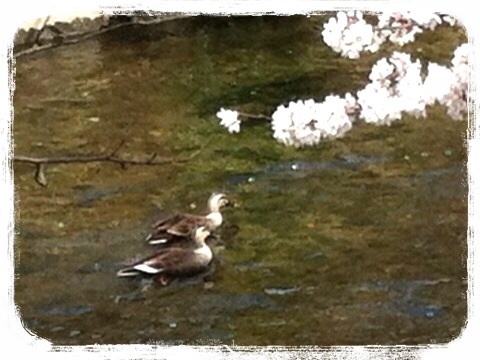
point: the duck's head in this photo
(201, 233)
(218, 201)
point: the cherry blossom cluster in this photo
(349, 34)
(305, 123)
(397, 86)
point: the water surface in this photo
(361, 240)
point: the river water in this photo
(360, 240)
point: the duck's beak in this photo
(229, 203)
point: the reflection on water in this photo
(356, 241)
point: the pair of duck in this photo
(182, 239)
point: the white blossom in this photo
(229, 119)
(378, 106)
(401, 28)
(305, 123)
(426, 20)
(396, 87)
(381, 72)
(456, 100)
(408, 88)
(438, 83)
(335, 119)
(449, 86)
(349, 34)
(460, 68)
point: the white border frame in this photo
(19, 343)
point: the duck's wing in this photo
(163, 238)
(176, 230)
(172, 261)
(185, 226)
(150, 265)
(163, 223)
(160, 234)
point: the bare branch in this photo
(153, 160)
(254, 116)
(41, 162)
(76, 37)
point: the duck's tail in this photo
(151, 241)
(163, 238)
(128, 272)
(157, 237)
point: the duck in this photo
(173, 263)
(176, 229)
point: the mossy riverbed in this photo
(360, 240)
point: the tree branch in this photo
(247, 116)
(76, 37)
(41, 162)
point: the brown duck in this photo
(174, 262)
(176, 229)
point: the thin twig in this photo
(76, 37)
(40, 177)
(254, 116)
(39, 33)
(119, 146)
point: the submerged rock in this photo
(403, 297)
(298, 167)
(315, 255)
(281, 290)
(427, 310)
(249, 265)
(68, 310)
(74, 333)
(57, 329)
(232, 302)
(280, 322)
(86, 196)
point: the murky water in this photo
(361, 240)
